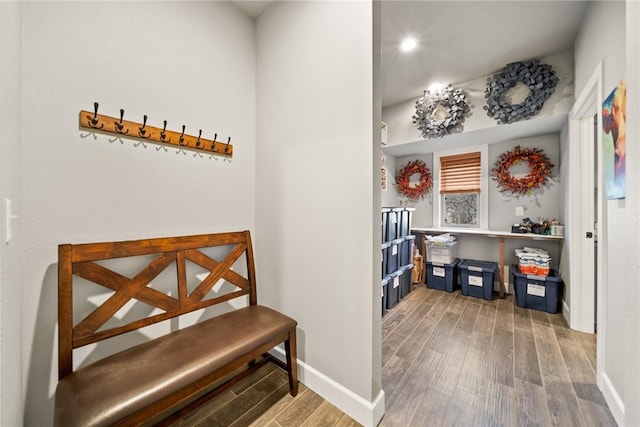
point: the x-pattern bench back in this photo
(80, 260)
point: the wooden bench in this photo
(160, 379)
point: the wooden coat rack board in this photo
(128, 129)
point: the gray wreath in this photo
(452, 101)
(541, 80)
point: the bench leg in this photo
(290, 347)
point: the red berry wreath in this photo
(403, 180)
(539, 174)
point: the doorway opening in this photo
(586, 239)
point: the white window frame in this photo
(483, 211)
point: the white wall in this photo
(11, 188)
(603, 38)
(190, 63)
(315, 212)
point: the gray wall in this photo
(390, 195)
(423, 215)
(11, 188)
(545, 203)
(315, 184)
(77, 188)
(605, 37)
(399, 117)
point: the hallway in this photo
(455, 360)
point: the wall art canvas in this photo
(384, 174)
(384, 179)
(614, 135)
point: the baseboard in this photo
(566, 312)
(616, 405)
(366, 413)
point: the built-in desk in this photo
(500, 235)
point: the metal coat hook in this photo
(120, 125)
(196, 154)
(163, 134)
(142, 132)
(182, 136)
(213, 143)
(94, 121)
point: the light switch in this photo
(8, 217)
(519, 211)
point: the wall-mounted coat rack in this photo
(128, 129)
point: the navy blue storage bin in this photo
(393, 222)
(393, 289)
(385, 293)
(385, 222)
(537, 292)
(405, 221)
(393, 255)
(406, 280)
(476, 278)
(442, 277)
(385, 257)
(406, 253)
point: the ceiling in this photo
(463, 40)
(252, 8)
(460, 41)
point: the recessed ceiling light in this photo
(436, 87)
(408, 44)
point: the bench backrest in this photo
(81, 261)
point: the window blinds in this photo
(460, 173)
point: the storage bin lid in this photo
(386, 280)
(435, 244)
(410, 237)
(407, 267)
(385, 245)
(385, 210)
(479, 266)
(397, 241)
(439, 264)
(552, 277)
(395, 274)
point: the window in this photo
(460, 209)
(460, 189)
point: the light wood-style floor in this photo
(263, 399)
(451, 360)
(448, 360)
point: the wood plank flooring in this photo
(451, 360)
(263, 399)
(448, 360)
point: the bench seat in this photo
(113, 388)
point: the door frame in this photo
(581, 140)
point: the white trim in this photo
(582, 291)
(366, 413)
(589, 103)
(566, 312)
(615, 403)
(484, 189)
